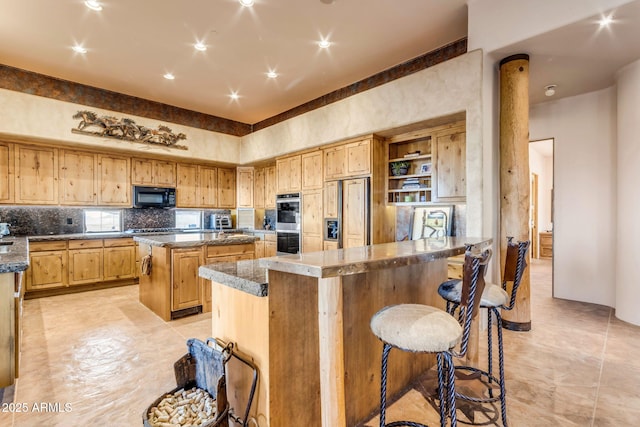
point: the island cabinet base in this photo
(318, 361)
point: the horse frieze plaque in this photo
(126, 129)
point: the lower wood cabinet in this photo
(270, 245)
(47, 265)
(185, 282)
(85, 266)
(119, 259)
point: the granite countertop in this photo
(188, 240)
(116, 234)
(342, 262)
(247, 276)
(14, 257)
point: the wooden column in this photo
(514, 175)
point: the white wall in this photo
(584, 128)
(543, 167)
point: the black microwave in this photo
(154, 197)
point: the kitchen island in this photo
(304, 320)
(14, 259)
(169, 283)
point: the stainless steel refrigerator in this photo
(347, 213)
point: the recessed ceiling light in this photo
(246, 3)
(234, 95)
(272, 74)
(324, 43)
(93, 5)
(605, 21)
(169, 76)
(200, 46)
(550, 90)
(79, 49)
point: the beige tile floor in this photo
(106, 357)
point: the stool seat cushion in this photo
(417, 328)
(492, 296)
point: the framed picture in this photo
(425, 168)
(432, 221)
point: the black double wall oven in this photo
(288, 209)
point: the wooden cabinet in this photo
(451, 166)
(330, 199)
(185, 282)
(312, 237)
(226, 188)
(47, 265)
(153, 172)
(78, 177)
(187, 186)
(258, 249)
(119, 259)
(355, 225)
(270, 245)
(207, 190)
(288, 171)
(6, 172)
(329, 246)
(270, 186)
(347, 160)
(36, 178)
(114, 180)
(246, 187)
(258, 188)
(85, 261)
(312, 171)
(546, 244)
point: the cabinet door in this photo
(295, 173)
(208, 186)
(119, 262)
(77, 178)
(6, 173)
(329, 246)
(359, 158)
(355, 224)
(270, 187)
(47, 270)
(259, 249)
(142, 171)
(85, 266)
(283, 172)
(312, 221)
(270, 248)
(245, 187)
(312, 177)
(114, 180)
(335, 162)
(226, 188)
(187, 186)
(164, 173)
(36, 175)
(330, 207)
(258, 188)
(451, 167)
(185, 287)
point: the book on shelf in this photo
(414, 154)
(412, 187)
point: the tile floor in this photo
(100, 358)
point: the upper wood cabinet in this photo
(187, 186)
(312, 171)
(36, 175)
(114, 180)
(354, 223)
(208, 194)
(270, 183)
(451, 173)
(288, 171)
(330, 200)
(347, 160)
(153, 172)
(77, 177)
(258, 188)
(245, 186)
(226, 188)
(6, 172)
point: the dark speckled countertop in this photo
(14, 257)
(246, 276)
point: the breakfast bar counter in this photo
(309, 333)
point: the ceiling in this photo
(131, 44)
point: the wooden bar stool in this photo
(424, 329)
(494, 298)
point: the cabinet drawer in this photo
(85, 244)
(214, 251)
(124, 241)
(57, 245)
(270, 237)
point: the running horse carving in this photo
(127, 129)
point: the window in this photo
(101, 220)
(188, 219)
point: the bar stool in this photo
(424, 329)
(494, 298)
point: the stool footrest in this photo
(405, 424)
(485, 378)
